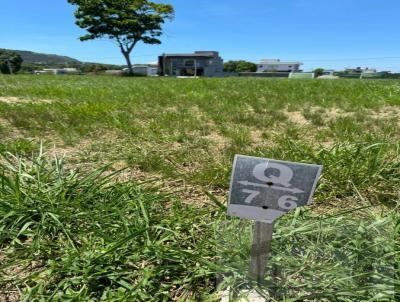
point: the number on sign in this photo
(253, 194)
(288, 202)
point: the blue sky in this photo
(327, 33)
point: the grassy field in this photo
(126, 202)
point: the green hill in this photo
(37, 61)
(31, 57)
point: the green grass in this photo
(152, 119)
(67, 236)
(72, 233)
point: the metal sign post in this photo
(263, 190)
(262, 239)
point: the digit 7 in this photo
(253, 194)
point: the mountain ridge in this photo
(31, 57)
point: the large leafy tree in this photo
(240, 66)
(126, 22)
(10, 62)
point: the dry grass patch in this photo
(296, 117)
(333, 112)
(173, 109)
(12, 132)
(16, 100)
(59, 149)
(4, 123)
(256, 136)
(8, 291)
(188, 193)
(132, 173)
(218, 142)
(386, 112)
(9, 296)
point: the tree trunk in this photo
(128, 61)
(10, 69)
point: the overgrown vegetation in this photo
(68, 236)
(78, 232)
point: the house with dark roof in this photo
(199, 63)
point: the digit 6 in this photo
(287, 202)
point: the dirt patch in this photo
(327, 144)
(296, 117)
(8, 292)
(383, 113)
(256, 136)
(249, 109)
(9, 296)
(335, 113)
(4, 123)
(192, 109)
(386, 112)
(11, 131)
(69, 151)
(173, 109)
(218, 142)
(190, 194)
(132, 173)
(16, 100)
(196, 110)
(209, 124)
(176, 146)
(193, 194)
(331, 113)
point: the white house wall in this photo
(277, 67)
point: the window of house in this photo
(189, 63)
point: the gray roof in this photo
(200, 54)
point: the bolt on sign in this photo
(263, 189)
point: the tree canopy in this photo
(240, 66)
(10, 62)
(319, 72)
(127, 22)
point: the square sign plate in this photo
(263, 189)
